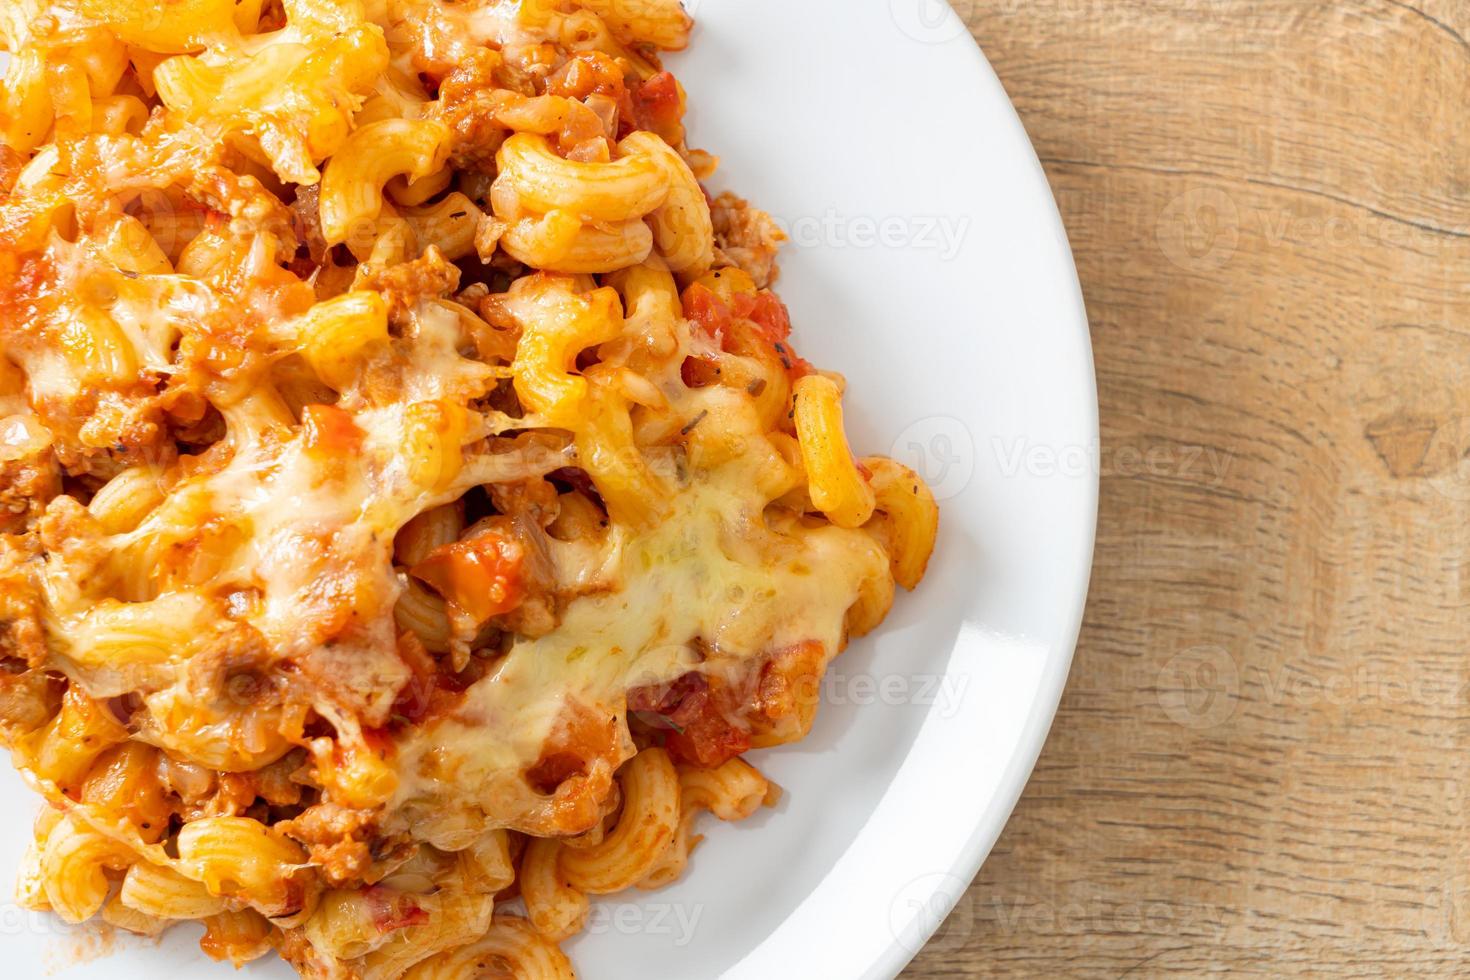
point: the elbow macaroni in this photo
(838, 487)
(352, 187)
(411, 499)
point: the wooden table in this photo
(1260, 764)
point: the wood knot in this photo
(1402, 442)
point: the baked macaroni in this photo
(413, 507)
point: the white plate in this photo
(928, 265)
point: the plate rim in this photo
(991, 818)
(991, 822)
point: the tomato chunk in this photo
(588, 73)
(712, 318)
(482, 576)
(770, 314)
(665, 699)
(708, 741)
(707, 312)
(701, 731)
(657, 103)
(329, 430)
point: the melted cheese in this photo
(308, 536)
(451, 33)
(699, 575)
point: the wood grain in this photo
(1259, 766)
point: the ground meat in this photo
(192, 419)
(468, 102)
(535, 498)
(69, 532)
(234, 795)
(306, 215)
(308, 961)
(403, 285)
(128, 424)
(358, 670)
(481, 111)
(746, 237)
(339, 840)
(22, 639)
(27, 484)
(246, 201)
(235, 663)
(27, 701)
